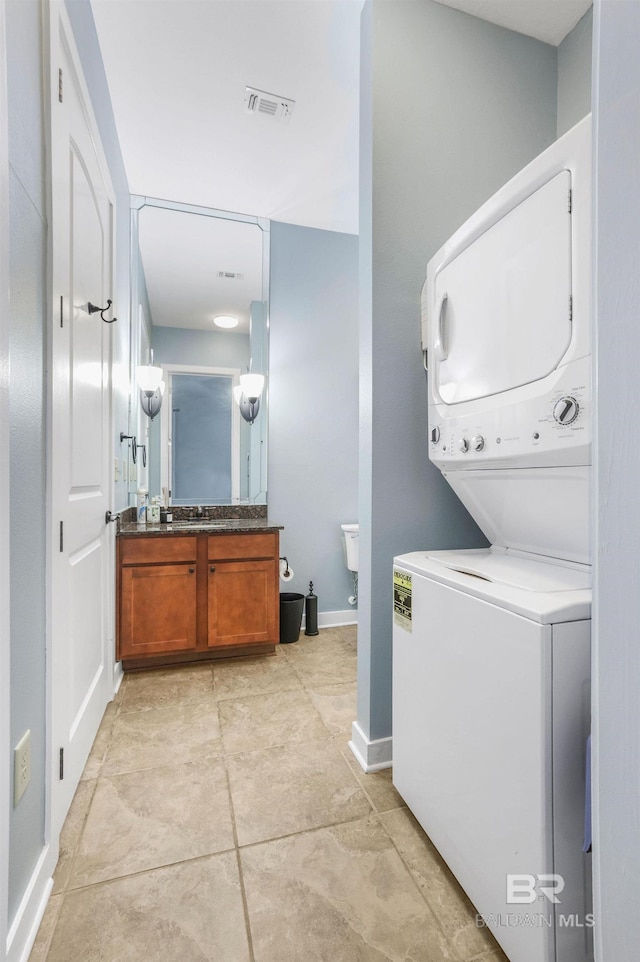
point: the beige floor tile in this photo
(279, 791)
(102, 740)
(191, 912)
(496, 956)
(340, 894)
(46, 930)
(377, 785)
(142, 820)
(71, 833)
(254, 676)
(455, 912)
(264, 721)
(186, 731)
(330, 663)
(336, 705)
(161, 687)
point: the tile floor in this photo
(221, 816)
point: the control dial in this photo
(477, 442)
(566, 410)
(463, 445)
(435, 434)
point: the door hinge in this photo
(570, 201)
(61, 764)
(570, 308)
(61, 311)
(62, 536)
(60, 84)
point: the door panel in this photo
(158, 609)
(242, 603)
(81, 655)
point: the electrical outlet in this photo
(116, 469)
(21, 767)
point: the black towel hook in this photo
(93, 309)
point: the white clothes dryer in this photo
(491, 647)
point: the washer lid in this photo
(502, 305)
(541, 590)
(501, 566)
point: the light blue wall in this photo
(574, 74)
(616, 614)
(313, 404)
(27, 347)
(173, 345)
(452, 107)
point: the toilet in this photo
(351, 534)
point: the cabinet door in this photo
(243, 603)
(158, 609)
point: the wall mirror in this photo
(191, 265)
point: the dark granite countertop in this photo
(196, 526)
(227, 519)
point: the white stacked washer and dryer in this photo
(491, 647)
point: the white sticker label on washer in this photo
(402, 592)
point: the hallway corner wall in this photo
(27, 424)
(452, 106)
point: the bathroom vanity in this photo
(196, 590)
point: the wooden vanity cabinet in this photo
(242, 594)
(190, 597)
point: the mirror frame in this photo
(137, 203)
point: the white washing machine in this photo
(491, 647)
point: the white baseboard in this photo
(335, 619)
(372, 756)
(24, 927)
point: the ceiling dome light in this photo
(225, 320)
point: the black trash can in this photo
(291, 605)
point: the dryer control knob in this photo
(477, 442)
(463, 445)
(566, 410)
(435, 434)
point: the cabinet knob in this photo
(212, 570)
(192, 571)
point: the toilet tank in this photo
(351, 534)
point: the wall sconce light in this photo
(149, 378)
(247, 395)
(151, 402)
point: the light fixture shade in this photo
(151, 401)
(225, 320)
(237, 393)
(252, 385)
(149, 378)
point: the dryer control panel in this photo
(551, 428)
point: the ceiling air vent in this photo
(230, 275)
(260, 102)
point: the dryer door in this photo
(502, 306)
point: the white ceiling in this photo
(546, 20)
(177, 71)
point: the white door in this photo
(81, 651)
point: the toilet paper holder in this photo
(286, 573)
